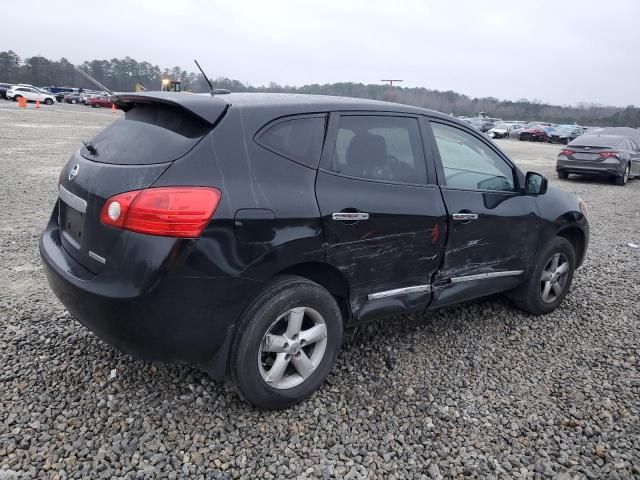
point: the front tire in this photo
(550, 280)
(48, 101)
(286, 343)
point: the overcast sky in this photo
(561, 52)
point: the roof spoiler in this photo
(210, 109)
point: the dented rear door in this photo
(384, 223)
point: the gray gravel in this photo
(478, 390)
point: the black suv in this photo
(245, 232)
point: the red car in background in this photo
(534, 134)
(101, 102)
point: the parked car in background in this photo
(482, 124)
(614, 156)
(60, 96)
(55, 90)
(73, 98)
(515, 133)
(101, 101)
(534, 134)
(565, 133)
(3, 89)
(159, 244)
(86, 97)
(502, 130)
(30, 94)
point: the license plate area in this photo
(71, 224)
(589, 157)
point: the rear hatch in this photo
(130, 154)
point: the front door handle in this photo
(465, 217)
(349, 216)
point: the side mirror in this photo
(535, 184)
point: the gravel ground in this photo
(478, 390)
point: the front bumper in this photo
(607, 167)
(166, 317)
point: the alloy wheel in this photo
(292, 348)
(554, 277)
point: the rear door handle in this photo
(349, 216)
(465, 217)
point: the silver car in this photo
(610, 155)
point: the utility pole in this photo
(390, 82)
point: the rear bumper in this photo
(606, 167)
(166, 317)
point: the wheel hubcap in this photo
(554, 277)
(292, 348)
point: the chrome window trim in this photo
(483, 276)
(399, 291)
(72, 200)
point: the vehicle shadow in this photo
(589, 180)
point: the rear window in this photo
(298, 139)
(597, 141)
(147, 134)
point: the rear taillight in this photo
(609, 154)
(567, 151)
(165, 211)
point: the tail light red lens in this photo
(609, 154)
(164, 211)
(567, 151)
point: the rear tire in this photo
(624, 178)
(549, 282)
(563, 175)
(269, 350)
(74, 101)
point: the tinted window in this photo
(470, 163)
(147, 134)
(381, 148)
(299, 139)
(634, 145)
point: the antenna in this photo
(205, 77)
(91, 79)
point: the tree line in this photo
(123, 74)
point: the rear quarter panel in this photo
(254, 179)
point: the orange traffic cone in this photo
(37, 103)
(113, 107)
(22, 102)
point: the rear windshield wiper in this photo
(90, 147)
